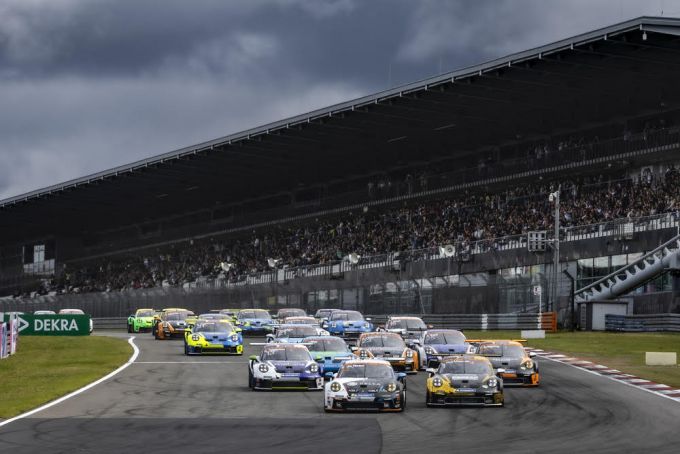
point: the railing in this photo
(642, 323)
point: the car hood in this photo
(257, 321)
(217, 336)
(465, 380)
(357, 385)
(289, 366)
(331, 355)
(449, 348)
(505, 362)
(381, 351)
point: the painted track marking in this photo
(135, 353)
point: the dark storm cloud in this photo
(90, 84)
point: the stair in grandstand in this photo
(635, 274)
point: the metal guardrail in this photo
(643, 322)
(546, 321)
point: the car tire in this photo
(186, 349)
(129, 328)
(155, 333)
(402, 407)
(251, 381)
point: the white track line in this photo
(132, 359)
(191, 362)
(610, 377)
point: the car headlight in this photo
(195, 337)
(409, 353)
(363, 354)
(314, 368)
(234, 337)
(528, 364)
(429, 350)
(336, 387)
(390, 388)
(437, 382)
(263, 368)
(492, 383)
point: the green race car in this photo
(141, 321)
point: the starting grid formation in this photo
(613, 374)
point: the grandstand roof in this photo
(612, 72)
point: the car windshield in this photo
(213, 327)
(352, 316)
(466, 366)
(383, 341)
(332, 344)
(211, 316)
(323, 313)
(259, 314)
(366, 371)
(447, 337)
(413, 324)
(146, 313)
(298, 331)
(514, 351)
(285, 354)
(490, 350)
(174, 316)
(227, 312)
(291, 313)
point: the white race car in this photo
(284, 366)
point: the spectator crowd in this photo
(430, 224)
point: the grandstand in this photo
(416, 199)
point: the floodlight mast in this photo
(555, 197)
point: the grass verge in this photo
(622, 351)
(46, 368)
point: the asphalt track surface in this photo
(167, 402)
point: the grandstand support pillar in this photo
(555, 197)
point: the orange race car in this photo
(389, 347)
(519, 367)
(172, 323)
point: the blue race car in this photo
(284, 366)
(213, 336)
(333, 350)
(347, 324)
(254, 321)
(294, 334)
(437, 344)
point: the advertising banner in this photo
(52, 325)
(3, 341)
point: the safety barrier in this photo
(642, 322)
(9, 334)
(546, 321)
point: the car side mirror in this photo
(354, 348)
(431, 371)
(238, 330)
(500, 371)
(253, 358)
(532, 354)
(329, 375)
(401, 376)
(368, 319)
(319, 359)
(430, 326)
(415, 341)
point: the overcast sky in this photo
(86, 85)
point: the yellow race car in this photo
(462, 380)
(213, 337)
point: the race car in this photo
(323, 314)
(365, 384)
(347, 324)
(284, 366)
(213, 316)
(518, 367)
(290, 312)
(389, 347)
(141, 320)
(212, 337)
(298, 321)
(435, 344)
(407, 327)
(230, 312)
(464, 380)
(333, 350)
(294, 334)
(159, 314)
(172, 324)
(254, 321)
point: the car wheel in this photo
(155, 334)
(251, 381)
(129, 328)
(402, 407)
(186, 349)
